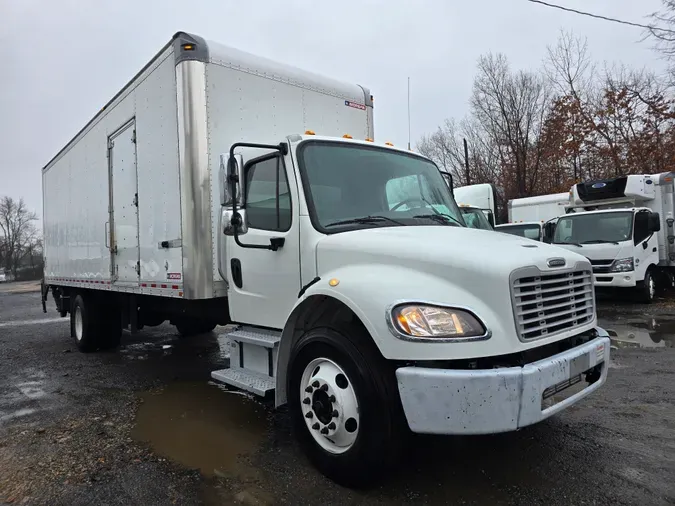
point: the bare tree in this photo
(511, 107)
(662, 32)
(18, 231)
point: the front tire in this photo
(647, 291)
(344, 405)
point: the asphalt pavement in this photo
(144, 425)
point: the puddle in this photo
(199, 426)
(647, 333)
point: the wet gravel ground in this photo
(143, 425)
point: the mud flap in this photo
(44, 291)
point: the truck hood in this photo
(454, 266)
(603, 251)
(458, 247)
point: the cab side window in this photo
(268, 202)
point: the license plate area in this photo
(579, 367)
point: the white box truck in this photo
(529, 215)
(200, 195)
(477, 202)
(624, 226)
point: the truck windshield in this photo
(530, 231)
(475, 218)
(353, 186)
(594, 228)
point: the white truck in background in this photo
(624, 226)
(477, 203)
(362, 301)
(528, 216)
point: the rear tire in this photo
(93, 324)
(191, 327)
(344, 405)
(82, 324)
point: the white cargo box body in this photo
(132, 202)
(540, 208)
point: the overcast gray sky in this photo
(63, 60)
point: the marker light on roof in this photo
(388, 144)
(347, 136)
(309, 132)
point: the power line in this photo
(605, 18)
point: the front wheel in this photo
(344, 405)
(647, 291)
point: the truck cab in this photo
(528, 229)
(621, 245)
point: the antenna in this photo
(408, 113)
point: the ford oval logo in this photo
(556, 262)
(599, 185)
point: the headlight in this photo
(419, 321)
(622, 265)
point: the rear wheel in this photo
(94, 325)
(193, 327)
(344, 405)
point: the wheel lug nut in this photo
(309, 415)
(324, 431)
(306, 400)
(331, 398)
(315, 384)
(315, 426)
(331, 425)
(335, 413)
(309, 390)
(324, 387)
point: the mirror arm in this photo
(233, 179)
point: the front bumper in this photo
(446, 401)
(615, 279)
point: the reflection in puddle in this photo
(647, 333)
(198, 426)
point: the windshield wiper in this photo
(599, 241)
(365, 220)
(446, 219)
(572, 243)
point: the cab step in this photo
(261, 337)
(258, 384)
(253, 359)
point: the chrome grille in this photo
(545, 304)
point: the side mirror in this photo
(654, 222)
(549, 231)
(227, 166)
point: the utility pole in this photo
(408, 113)
(466, 162)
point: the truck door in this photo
(264, 284)
(124, 244)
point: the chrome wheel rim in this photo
(79, 326)
(329, 405)
(652, 288)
